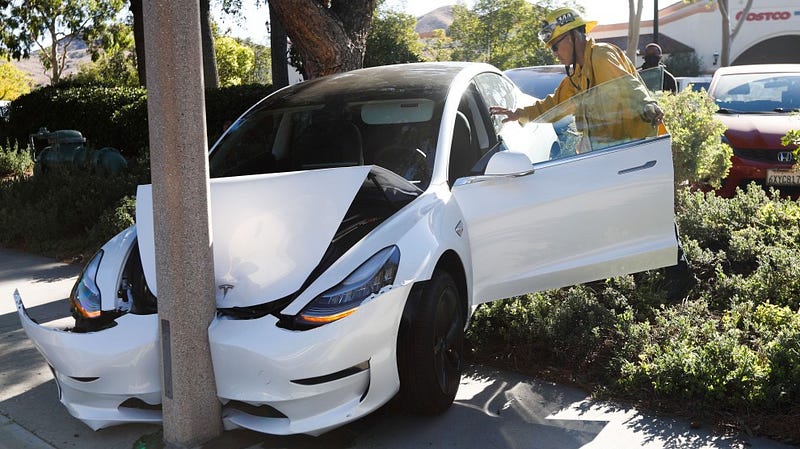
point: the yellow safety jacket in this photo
(605, 115)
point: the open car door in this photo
(600, 207)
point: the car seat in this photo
(463, 151)
(333, 143)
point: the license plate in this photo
(783, 177)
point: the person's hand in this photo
(652, 114)
(511, 116)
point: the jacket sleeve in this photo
(564, 91)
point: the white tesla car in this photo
(358, 221)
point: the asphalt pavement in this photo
(494, 409)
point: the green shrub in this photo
(117, 116)
(699, 156)
(745, 358)
(66, 212)
(14, 161)
(87, 109)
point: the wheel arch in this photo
(450, 262)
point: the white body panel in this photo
(266, 241)
(612, 216)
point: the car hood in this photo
(762, 131)
(269, 232)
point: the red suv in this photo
(756, 103)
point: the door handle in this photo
(645, 166)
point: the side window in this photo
(496, 91)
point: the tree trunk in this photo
(634, 21)
(210, 73)
(54, 56)
(279, 51)
(138, 40)
(328, 39)
(728, 33)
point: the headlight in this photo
(344, 299)
(85, 296)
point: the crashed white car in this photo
(358, 221)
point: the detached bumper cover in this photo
(97, 372)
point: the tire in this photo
(431, 346)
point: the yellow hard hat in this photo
(560, 21)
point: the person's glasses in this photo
(554, 47)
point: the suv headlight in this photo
(344, 299)
(85, 295)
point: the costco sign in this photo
(766, 16)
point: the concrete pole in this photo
(182, 227)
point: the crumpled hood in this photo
(762, 131)
(269, 231)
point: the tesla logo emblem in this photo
(785, 156)
(225, 288)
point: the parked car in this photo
(697, 83)
(358, 220)
(537, 81)
(758, 104)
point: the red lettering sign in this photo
(765, 16)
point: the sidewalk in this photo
(493, 409)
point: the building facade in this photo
(770, 32)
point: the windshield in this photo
(606, 115)
(758, 92)
(313, 127)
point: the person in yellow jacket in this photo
(624, 110)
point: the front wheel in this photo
(431, 346)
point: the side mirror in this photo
(509, 163)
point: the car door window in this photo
(496, 91)
(607, 115)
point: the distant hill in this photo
(77, 54)
(439, 18)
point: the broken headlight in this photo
(85, 296)
(343, 299)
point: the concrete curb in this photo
(14, 436)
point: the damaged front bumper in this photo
(107, 377)
(268, 379)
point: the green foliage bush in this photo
(65, 212)
(116, 116)
(699, 156)
(14, 161)
(87, 109)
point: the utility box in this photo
(67, 148)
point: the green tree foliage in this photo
(699, 156)
(262, 65)
(114, 62)
(14, 161)
(13, 81)
(792, 138)
(503, 33)
(392, 39)
(683, 64)
(51, 26)
(235, 61)
(438, 47)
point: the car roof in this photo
(758, 68)
(555, 68)
(398, 77)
